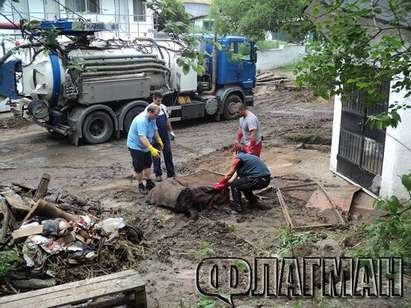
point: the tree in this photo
(360, 44)
(172, 19)
(255, 18)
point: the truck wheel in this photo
(98, 127)
(230, 107)
(131, 114)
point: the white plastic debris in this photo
(39, 239)
(85, 222)
(28, 225)
(110, 225)
(32, 253)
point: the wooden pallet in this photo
(123, 288)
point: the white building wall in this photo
(197, 9)
(111, 11)
(397, 153)
(336, 133)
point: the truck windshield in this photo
(245, 51)
(240, 51)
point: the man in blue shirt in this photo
(142, 135)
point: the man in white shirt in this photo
(249, 138)
(165, 130)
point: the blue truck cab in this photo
(235, 71)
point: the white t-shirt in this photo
(249, 123)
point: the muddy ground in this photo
(173, 243)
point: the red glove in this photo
(253, 150)
(223, 184)
(239, 136)
(238, 148)
(253, 140)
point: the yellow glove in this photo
(154, 152)
(160, 143)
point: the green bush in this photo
(390, 235)
(8, 260)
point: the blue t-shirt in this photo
(141, 126)
(251, 166)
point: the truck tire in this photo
(98, 127)
(230, 108)
(131, 114)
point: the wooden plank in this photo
(284, 208)
(309, 227)
(71, 285)
(32, 210)
(298, 186)
(49, 209)
(15, 201)
(81, 294)
(126, 300)
(333, 204)
(42, 187)
(4, 220)
(24, 232)
(264, 190)
(210, 171)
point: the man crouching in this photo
(141, 135)
(251, 174)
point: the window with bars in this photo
(84, 6)
(139, 10)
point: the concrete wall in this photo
(274, 58)
(397, 153)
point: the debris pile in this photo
(271, 78)
(277, 82)
(57, 242)
(13, 122)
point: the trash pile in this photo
(55, 245)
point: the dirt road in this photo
(30, 150)
(174, 244)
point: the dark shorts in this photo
(141, 160)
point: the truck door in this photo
(237, 65)
(229, 65)
(247, 69)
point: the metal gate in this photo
(361, 149)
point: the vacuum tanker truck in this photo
(90, 89)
